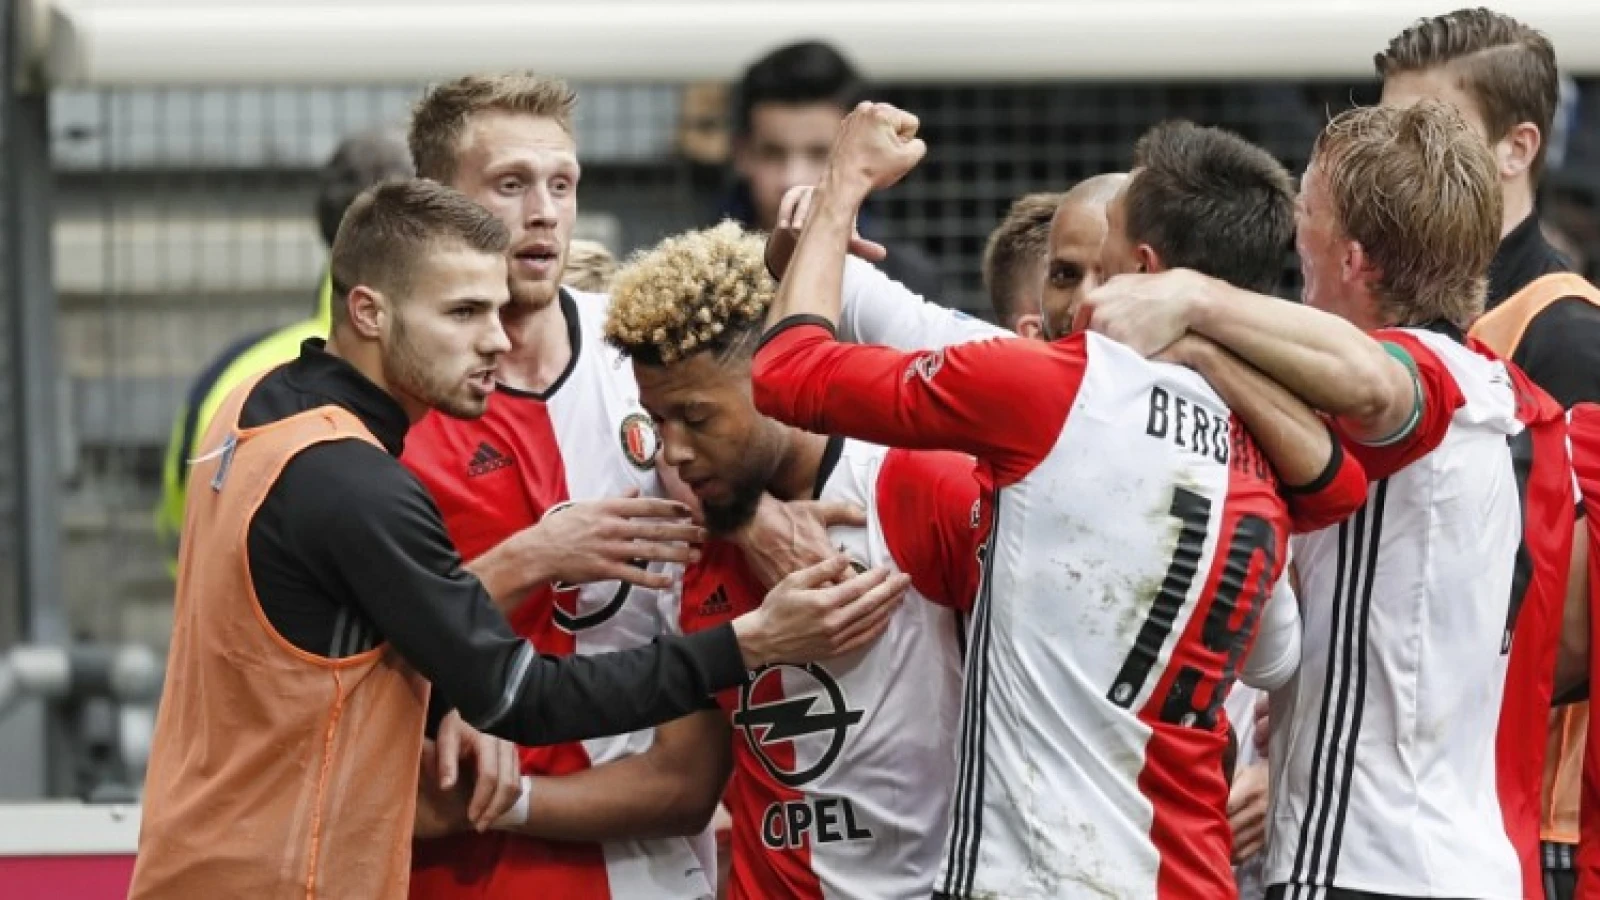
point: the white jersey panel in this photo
(876, 309)
(899, 757)
(1048, 803)
(1383, 746)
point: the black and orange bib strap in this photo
(1502, 328)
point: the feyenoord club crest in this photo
(639, 441)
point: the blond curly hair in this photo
(697, 291)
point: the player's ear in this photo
(1514, 153)
(366, 309)
(1030, 326)
(1149, 259)
(1356, 267)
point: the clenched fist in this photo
(877, 145)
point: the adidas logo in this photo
(717, 604)
(486, 460)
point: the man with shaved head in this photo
(1073, 265)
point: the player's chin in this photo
(468, 403)
(535, 293)
(731, 511)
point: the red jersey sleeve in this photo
(1440, 396)
(1340, 490)
(933, 518)
(1003, 400)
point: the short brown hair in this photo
(1508, 68)
(1021, 239)
(696, 292)
(1418, 190)
(441, 116)
(1209, 200)
(389, 227)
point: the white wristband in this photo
(518, 813)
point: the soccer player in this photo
(318, 594)
(613, 817)
(843, 768)
(1073, 265)
(1013, 262)
(1410, 664)
(1501, 75)
(1136, 532)
(564, 425)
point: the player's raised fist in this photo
(876, 147)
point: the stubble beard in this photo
(406, 368)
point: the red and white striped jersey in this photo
(843, 768)
(1408, 751)
(585, 438)
(1136, 532)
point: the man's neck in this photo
(796, 478)
(1517, 198)
(540, 347)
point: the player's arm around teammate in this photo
(1327, 361)
(1295, 440)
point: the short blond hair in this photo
(441, 117)
(698, 291)
(590, 266)
(1419, 191)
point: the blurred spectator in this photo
(1014, 262)
(787, 109)
(589, 266)
(360, 161)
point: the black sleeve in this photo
(1560, 351)
(375, 537)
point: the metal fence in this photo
(183, 221)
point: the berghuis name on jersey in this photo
(1203, 430)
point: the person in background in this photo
(590, 266)
(786, 112)
(360, 161)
